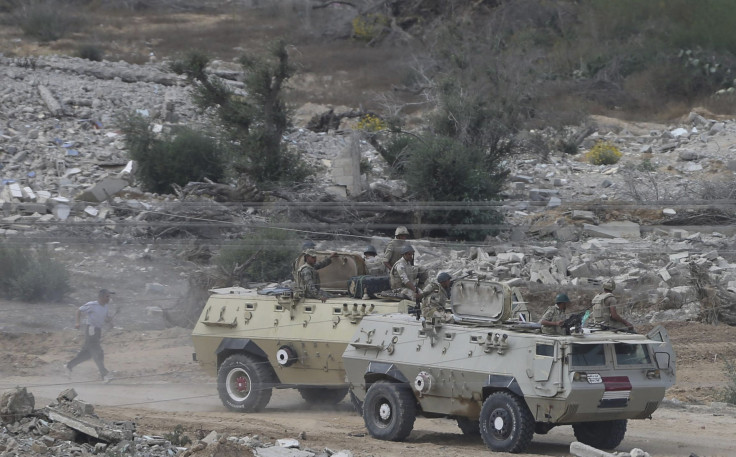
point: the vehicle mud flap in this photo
(501, 382)
(387, 369)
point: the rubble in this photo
(70, 427)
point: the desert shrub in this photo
(728, 394)
(441, 169)
(184, 155)
(90, 52)
(46, 20)
(32, 275)
(646, 165)
(265, 255)
(257, 122)
(371, 123)
(177, 436)
(603, 153)
(369, 27)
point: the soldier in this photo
(373, 263)
(436, 297)
(392, 253)
(604, 313)
(307, 278)
(407, 277)
(553, 319)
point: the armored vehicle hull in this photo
(254, 343)
(501, 378)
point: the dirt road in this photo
(159, 386)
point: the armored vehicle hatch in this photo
(499, 377)
(254, 343)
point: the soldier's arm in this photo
(545, 320)
(387, 254)
(324, 262)
(615, 316)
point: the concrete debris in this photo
(70, 427)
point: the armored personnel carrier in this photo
(254, 343)
(499, 377)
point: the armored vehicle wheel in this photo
(357, 404)
(244, 383)
(389, 411)
(468, 427)
(505, 423)
(603, 435)
(322, 395)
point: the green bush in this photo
(442, 169)
(256, 123)
(603, 153)
(90, 52)
(46, 20)
(184, 155)
(265, 255)
(177, 436)
(31, 275)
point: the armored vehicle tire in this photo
(323, 395)
(244, 383)
(468, 427)
(389, 411)
(603, 435)
(505, 423)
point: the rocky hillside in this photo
(659, 221)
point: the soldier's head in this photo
(310, 256)
(444, 279)
(407, 252)
(609, 285)
(370, 251)
(562, 300)
(401, 232)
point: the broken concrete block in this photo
(15, 190)
(619, 229)
(583, 450)
(276, 451)
(679, 256)
(664, 274)
(50, 101)
(67, 395)
(578, 215)
(91, 211)
(61, 212)
(16, 404)
(288, 443)
(104, 189)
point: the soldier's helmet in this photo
(562, 298)
(442, 277)
(609, 284)
(407, 249)
(370, 250)
(401, 230)
(310, 253)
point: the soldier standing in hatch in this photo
(553, 319)
(96, 316)
(604, 313)
(436, 297)
(392, 253)
(407, 277)
(373, 264)
(307, 277)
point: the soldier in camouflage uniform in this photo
(307, 278)
(392, 253)
(554, 317)
(407, 278)
(373, 264)
(604, 313)
(436, 298)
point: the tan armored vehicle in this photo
(254, 343)
(499, 377)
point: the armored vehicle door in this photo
(545, 367)
(664, 353)
(480, 302)
(336, 276)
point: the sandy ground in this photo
(159, 386)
